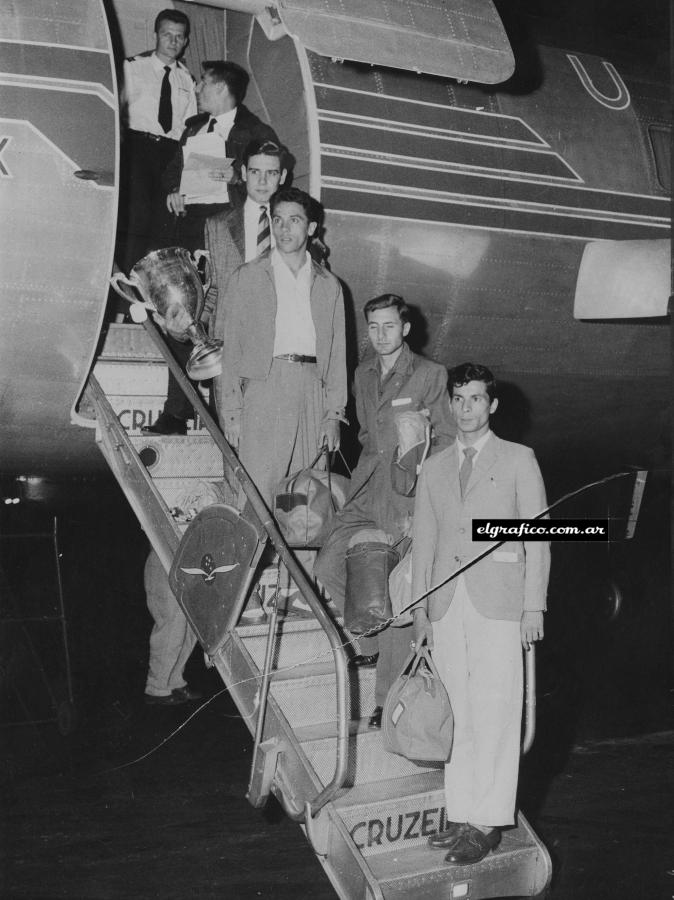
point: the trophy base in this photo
(205, 361)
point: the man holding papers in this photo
(201, 178)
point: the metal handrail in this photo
(268, 523)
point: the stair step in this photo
(420, 872)
(129, 342)
(368, 761)
(400, 813)
(299, 641)
(311, 700)
(178, 464)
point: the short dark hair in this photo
(294, 195)
(235, 76)
(265, 148)
(384, 301)
(172, 15)
(466, 372)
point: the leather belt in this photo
(296, 357)
(152, 137)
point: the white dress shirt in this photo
(295, 331)
(143, 76)
(477, 446)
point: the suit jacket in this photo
(249, 317)
(246, 127)
(415, 383)
(506, 483)
(226, 243)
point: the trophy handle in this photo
(197, 256)
(117, 281)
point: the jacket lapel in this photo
(236, 230)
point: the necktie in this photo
(466, 468)
(211, 126)
(263, 232)
(165, 116)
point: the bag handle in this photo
(416, 657)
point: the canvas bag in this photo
(304, 503)
(417, 720)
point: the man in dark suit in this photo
(478, 623)
(220, 95)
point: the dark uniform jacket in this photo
(246, 127)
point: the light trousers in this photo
(480, 663)
(172, 639)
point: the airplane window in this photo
(661, 142)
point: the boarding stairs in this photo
(367, 813)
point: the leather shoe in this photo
(177, 696)
(375, 719)
(166, 424)
(443, 840)
(472, 846)
(361, 661)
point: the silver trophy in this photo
(166, 278)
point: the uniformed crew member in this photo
(158, 97)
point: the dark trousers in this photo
(177, 403)
(142, 199)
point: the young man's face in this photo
(262, 175)
(213, 96)
(386, 330)
(291, 227)
(170, 41)
(471, 408)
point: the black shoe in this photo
(361, 661)
(472, 846)
(166, 424)
(374, 721)
(177, 696)
(443, 840)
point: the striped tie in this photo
(263, 233)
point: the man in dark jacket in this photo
(220, 96)
(391, 383)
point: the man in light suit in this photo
(282, 391)
(478, 623)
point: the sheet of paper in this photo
(203, 157)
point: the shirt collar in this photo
(404, 362)
(277, 260)
(159, 65)
(251, 208)
(477, 446)
(225, 118)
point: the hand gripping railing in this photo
(268, 523)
